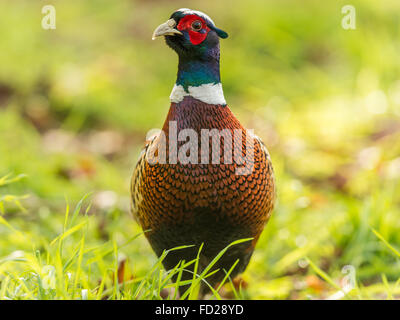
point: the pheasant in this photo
(182, 195)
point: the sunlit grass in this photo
(73, 266)
(69, 267)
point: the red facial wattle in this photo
(196, 36)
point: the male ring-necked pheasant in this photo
(199, 201)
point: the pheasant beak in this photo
(166, 29)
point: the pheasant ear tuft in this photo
(221, 33)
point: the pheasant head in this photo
(195, 38)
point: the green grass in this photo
(76, 103)
(71, 267)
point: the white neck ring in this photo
(209, 93)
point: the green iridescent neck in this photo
(195, 71)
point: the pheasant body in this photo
(203, 202)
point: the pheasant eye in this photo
(197, 25)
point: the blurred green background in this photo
(76, 103)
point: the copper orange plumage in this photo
(184, 197)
